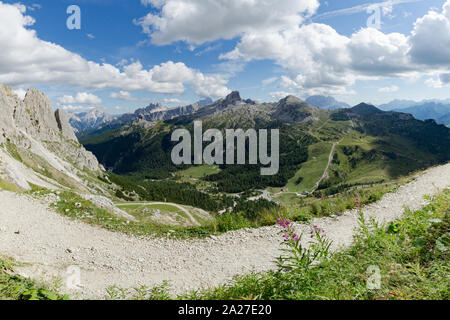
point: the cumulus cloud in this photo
(25, 59)
(81, 98)
(318, 60)
(445, 78)
(199, 21)
(430, 38)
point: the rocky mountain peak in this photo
(365, 109)
(233, 97)
(291, 100)
(152, 107)
(32, 127)
(36, 115)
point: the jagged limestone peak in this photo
(233, 97)
(62, 119)
(32, 125)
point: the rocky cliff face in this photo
(37, 144)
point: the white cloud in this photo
(268, 81)
(430, 39)
(126, 96)
(75, 108)
(20, 93)
(199, 21)
(81, 98)
(386, 6)
(445, 78)
(25, 59)
(314, 55)
(318, 60)
(438, 81)
(390, 89)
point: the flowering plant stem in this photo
(299, 258)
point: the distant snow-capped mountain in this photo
(88, 120)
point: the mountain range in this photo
(88, 120)
(98, 119)
(374, 145)
(438, 110)
(39, 149)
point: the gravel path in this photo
(325, 174)
(50, 243)
(186, 211)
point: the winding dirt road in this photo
(186, 211)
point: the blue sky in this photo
(130, 53)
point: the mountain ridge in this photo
(395, 139)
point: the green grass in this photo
(137, 210)
(87, 212)
(304, 209)
(16, 287)
(163, 207)
(6, 185)
(91, 214)
(311, 170)
(198, 172)
(12, 150)
(412, 254)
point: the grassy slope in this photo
(197, 172)
(137, 210)
(312, 170)
(413, 255)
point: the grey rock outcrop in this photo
(233, 98)
(62, 120)
(31, 127)
(293, 110)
